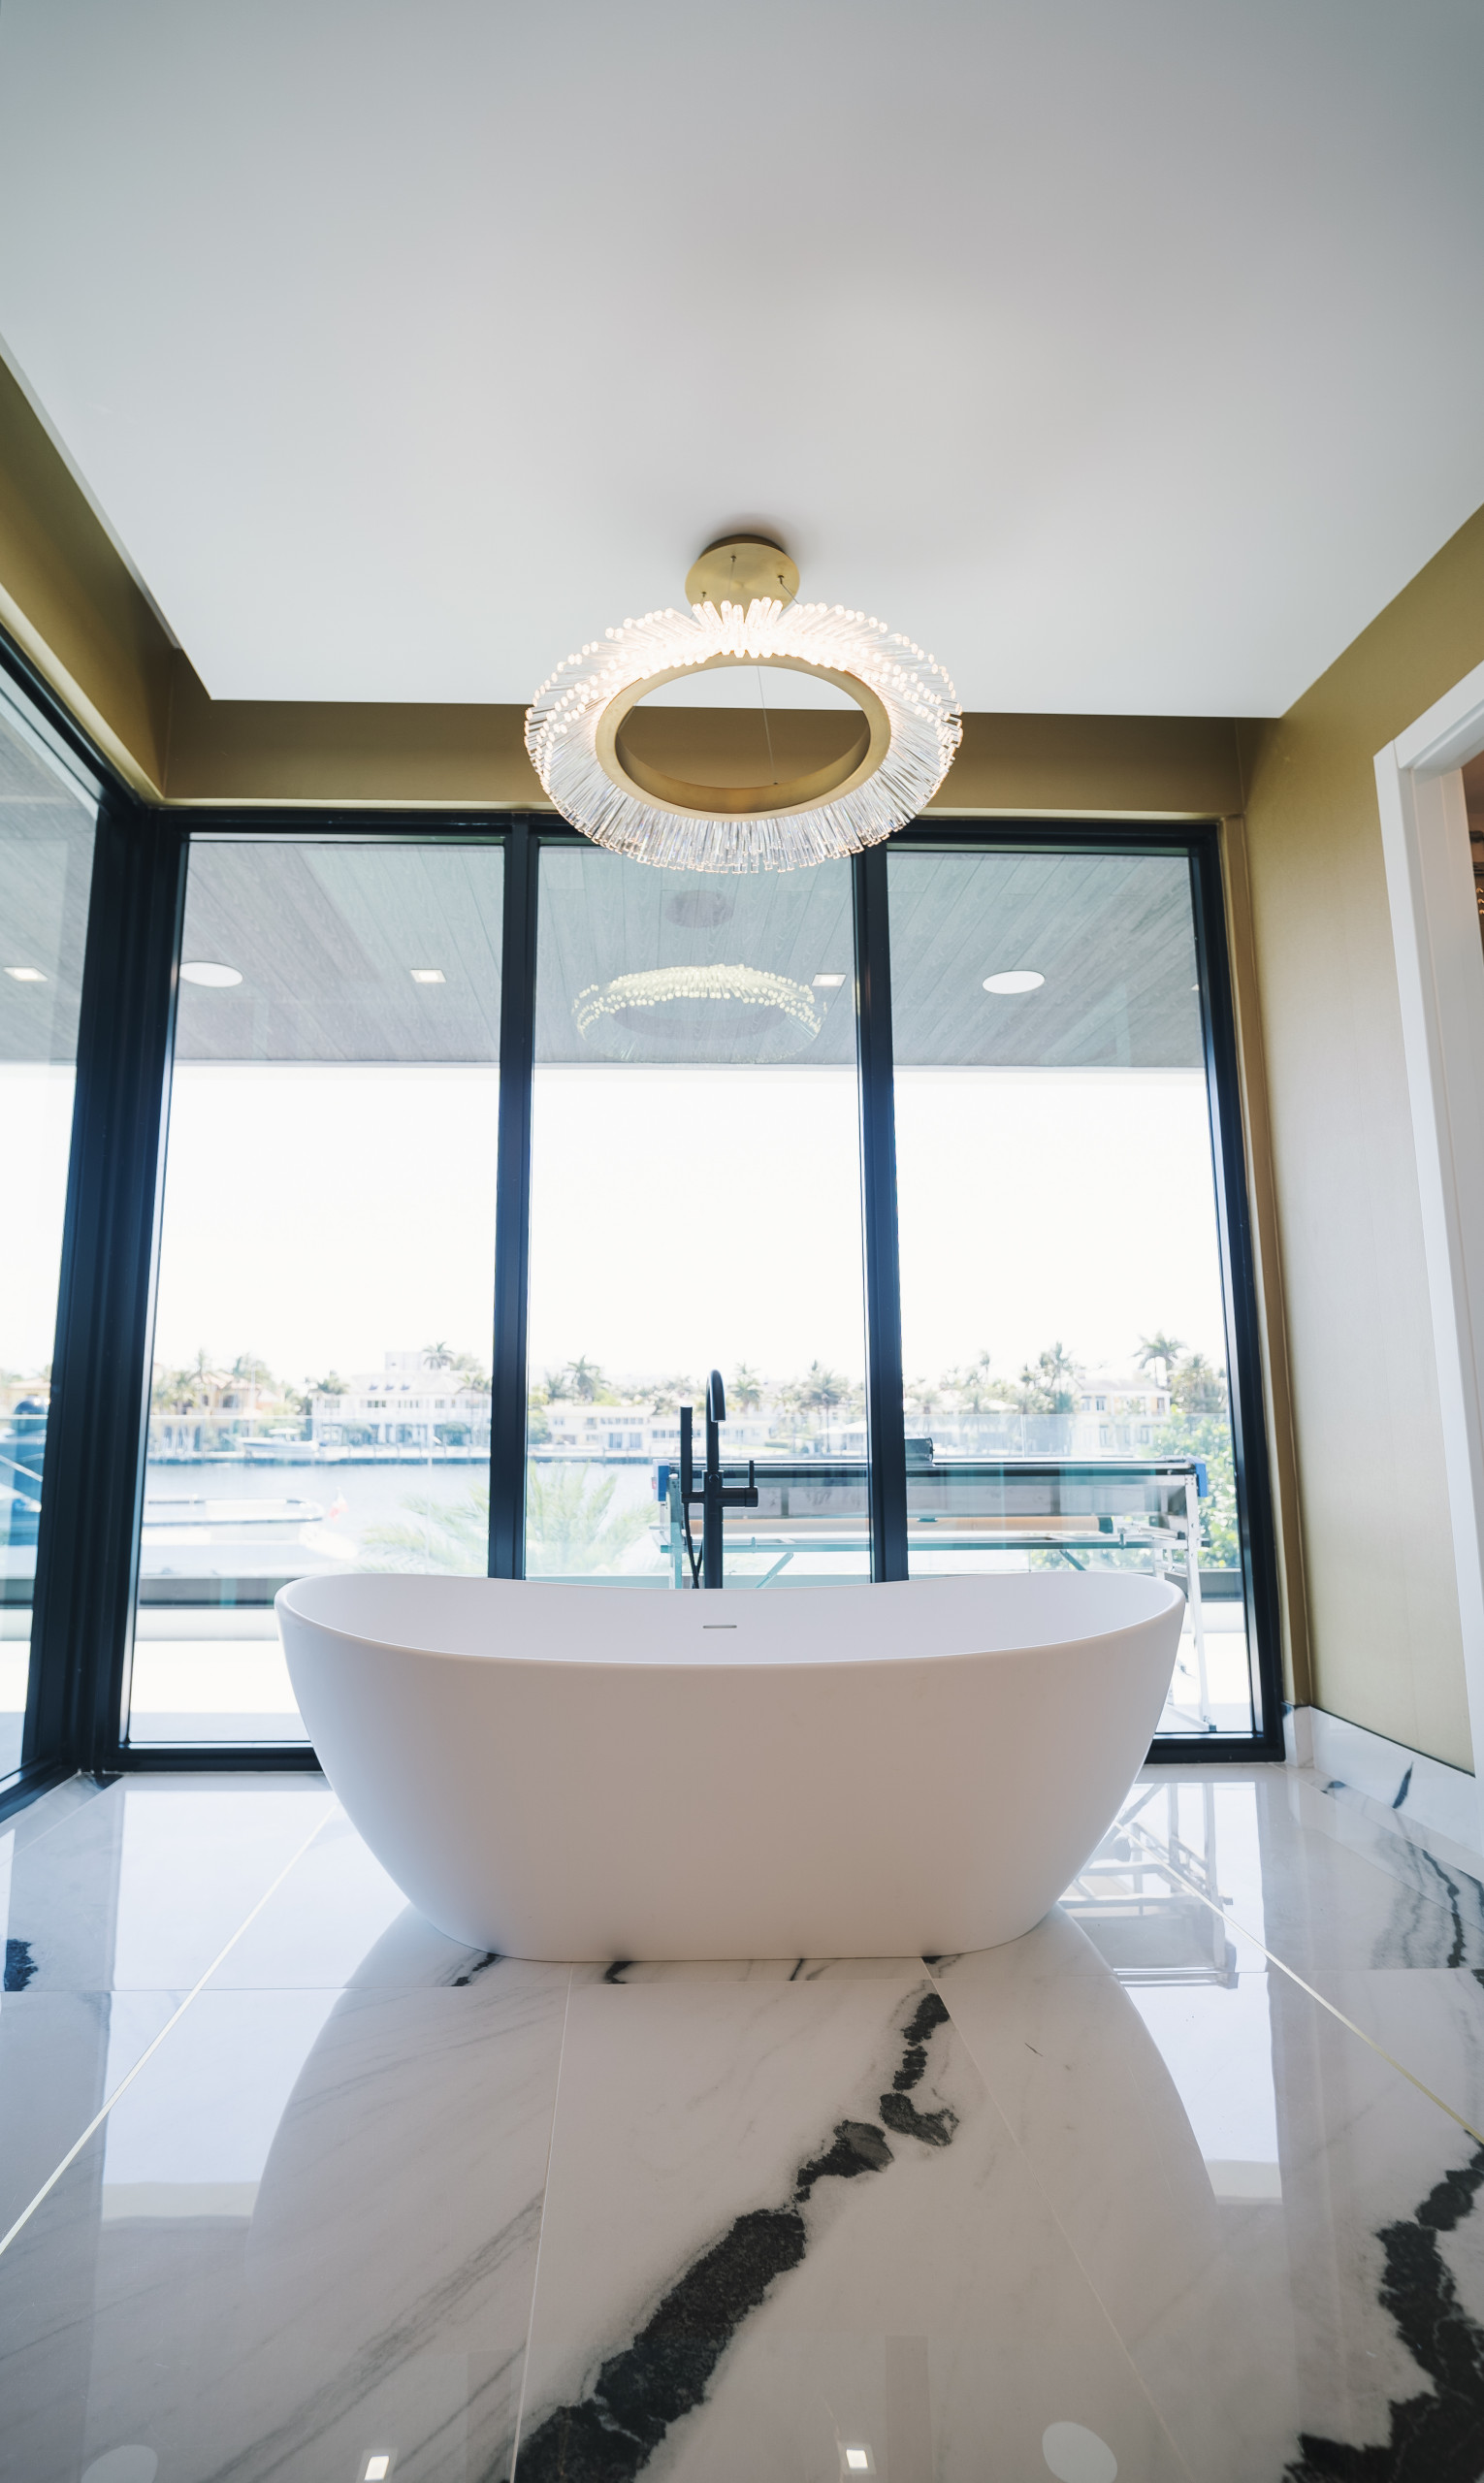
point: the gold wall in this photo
(1382, 1605)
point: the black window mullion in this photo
(885, 1427)
(1254, 1509)
(93, 1481)
(512, 1205)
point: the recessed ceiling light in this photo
(25, 974)
(427, 974)
(1023, 979)
(379, 2468)
(827, 981)
(214, 978)
(857, 2461)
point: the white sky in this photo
(320, 1216)
(35, 1137)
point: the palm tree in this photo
(1047, 1385)
(822, 1388)
(568, 1527)
(587, 1380)
(435, 1535)
(745, 1389)
(1196, 1389)
(172, 1393)
(1159, 1348)
(788, 1406)
(437, 1357)
(974, 1387)
(665, 1395)
(926, 1396)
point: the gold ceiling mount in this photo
(742, 570)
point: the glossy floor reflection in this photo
(1184, 2184)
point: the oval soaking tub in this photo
(601, 1772)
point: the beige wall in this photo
(1385, 1647)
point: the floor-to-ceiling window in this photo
(691, 1181)
(320, 1392)
(696, 1203)
(46, 824)
(1065, 1326)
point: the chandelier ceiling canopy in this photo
(743, 612)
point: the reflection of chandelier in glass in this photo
(740, 1010)
(742, 612)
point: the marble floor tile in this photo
(49, 1810)
(62, 2054)
(1419, 1856)
(142, 1889)
(305, 2234)
(1428, 2019)
(783, 2219)
(1246, 2184)
(1124, 2182)
(339, 1918)
(1317, 1885)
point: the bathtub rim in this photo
(705, 1662)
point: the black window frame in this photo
(88, 1546)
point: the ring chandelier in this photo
(910, 726)
(606, 1014)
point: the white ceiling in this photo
(1125, 352)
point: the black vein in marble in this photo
(1430, 1861)
(610, 2435)
(19, 1964)
(618, 1970)
(481, 1965)
(1456, 1892)
(1436, 2437)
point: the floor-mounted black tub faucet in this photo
(714, 1496)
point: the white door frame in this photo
(1441, 982)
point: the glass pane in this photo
(1063, 1320)
(325, 1303)
(45, 866)
(696, 1203)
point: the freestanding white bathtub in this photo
(601, 1772)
